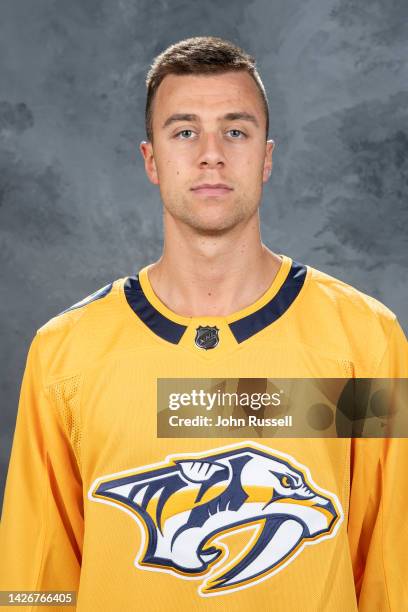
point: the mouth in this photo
(216, 190)
(275, 542)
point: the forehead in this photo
(216, 93)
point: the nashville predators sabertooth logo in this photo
(188, 505)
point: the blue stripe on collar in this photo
(256, 321)
(158, 323)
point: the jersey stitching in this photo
(45, 457)
(81, 379)
(46, 498)
(382, 536)
(346, 479)
(387, 344)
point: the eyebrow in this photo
(228, 117)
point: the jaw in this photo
(208, 216)
(278, 538)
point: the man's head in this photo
(207, 124)
(200, 55)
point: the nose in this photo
(211, 153)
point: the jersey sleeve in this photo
(41, 529)
(378, 527)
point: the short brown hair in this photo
(199, 55)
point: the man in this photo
(227, 522)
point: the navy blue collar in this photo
(242, 329)
(256, 321)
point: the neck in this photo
(210, 274)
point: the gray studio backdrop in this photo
(76, 210)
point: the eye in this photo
(290, 482)
(285, 482)
(188, 132)
(236, 133)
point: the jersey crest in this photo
(190, 504)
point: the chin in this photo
(206, 221)
(213, 228)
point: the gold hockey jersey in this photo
(96, 502)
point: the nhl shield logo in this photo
(207, 337)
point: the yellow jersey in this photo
(96, 502)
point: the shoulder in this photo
(77, 335)
(335, 293)
(93, 304)
(347, 320)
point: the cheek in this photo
(173, 165)
(172, 174)
(250, 158)
(166, 167)
(250, 170)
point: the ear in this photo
(146, 149)
(267, 169)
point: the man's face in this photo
(209, 130)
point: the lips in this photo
(208, 189)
